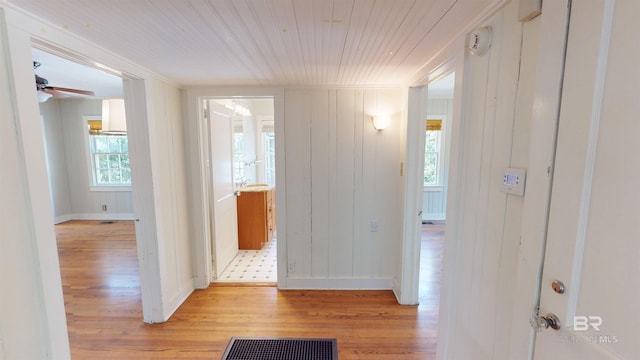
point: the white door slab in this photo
(593, 231)
(223, 201)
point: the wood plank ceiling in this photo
(268, 42)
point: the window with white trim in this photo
(269, 150)
(432, 152)
(109, 153)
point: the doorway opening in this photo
(90, 183)
(439, 112)
(241, 184)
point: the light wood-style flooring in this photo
(102, 299)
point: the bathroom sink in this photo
(256, 187)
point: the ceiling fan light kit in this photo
(43, 96)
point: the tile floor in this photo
(253, 266)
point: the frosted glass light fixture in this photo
(380, 122)
(43, 96)
(113, 116)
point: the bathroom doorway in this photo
(242, 187)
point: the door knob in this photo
(544, 322)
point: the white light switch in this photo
(513, 181)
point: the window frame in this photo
(439, 183)
(269, 171)
(93, 185)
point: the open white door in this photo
(224, 218)
(593, 241)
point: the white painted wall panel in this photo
(488, 222)
(22, 311)
(69, 167)
(166, 142)
(298, 181)
(84, 201)
(321, 179)
(341, 246)
(56, 158)
(341, 175)
(32, 317)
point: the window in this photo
(432, 151)
(269, 147)
(109, 156)
(238, 155)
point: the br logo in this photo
(583, 323)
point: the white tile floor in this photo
(253, 266)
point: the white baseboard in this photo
(60, 219)
(339, 283)
(94, 216)
(397, 290)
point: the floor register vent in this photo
(281, 349)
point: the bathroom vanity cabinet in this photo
(256, 217)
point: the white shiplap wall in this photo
(170, 196)
(23, 313)
(69, 168)
(484, 224)
(54, 128)
(342, 174)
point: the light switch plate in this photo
(513, 181)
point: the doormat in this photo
(281, 349)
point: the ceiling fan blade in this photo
(56, 94)
(75, 91)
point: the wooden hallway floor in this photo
(102, 298)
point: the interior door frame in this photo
(18, 50)
(196, 132)
(451, 61)
(142, 195)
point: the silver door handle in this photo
(540, 323)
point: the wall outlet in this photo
(104, 207)
(291, 266)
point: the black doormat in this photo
(281, 349)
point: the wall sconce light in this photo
(380, 122)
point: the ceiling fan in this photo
(42, 86)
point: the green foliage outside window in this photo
(431, 158)
(110, 159)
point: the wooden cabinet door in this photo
(252, 220)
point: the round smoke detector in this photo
(479, 41)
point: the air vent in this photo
(281, 349)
